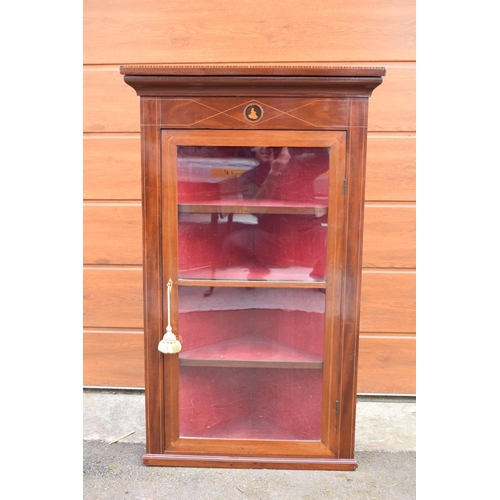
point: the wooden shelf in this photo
(249, 272)
(250, 351)
(249, 283)
(254, 207)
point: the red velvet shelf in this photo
(250, 351)
(250, 403)
(250, 427)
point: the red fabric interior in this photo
(250, 403)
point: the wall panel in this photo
(389, 236)
(112, 106)
(333, 32)
(388, 302)
(391, 168)
(387, 364)
(112, 297)
(155, 31)
(113, 359)
(392, 106)
(112, 167)
(109, 104)
(112, 233)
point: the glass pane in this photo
(252, 212)
(251, 364)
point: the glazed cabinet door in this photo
(253, 244)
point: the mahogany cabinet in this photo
(253, 193)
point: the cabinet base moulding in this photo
(178, 460)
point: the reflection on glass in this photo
(251, 366)
(252, 213)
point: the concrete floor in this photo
(385, 451)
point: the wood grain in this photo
(152, 31)
(386, 362)
(112, 297)
(113, 359)
(112, 106)
(112, 167)
(279, 113)
(393, 105)
(391, 168)
(112, 233)
(389, 236)
(388, 302)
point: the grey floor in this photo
(385, 451)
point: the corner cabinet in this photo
(253, 194)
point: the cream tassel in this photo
(169, 344)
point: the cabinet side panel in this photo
(151, 206)
(355, 170)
